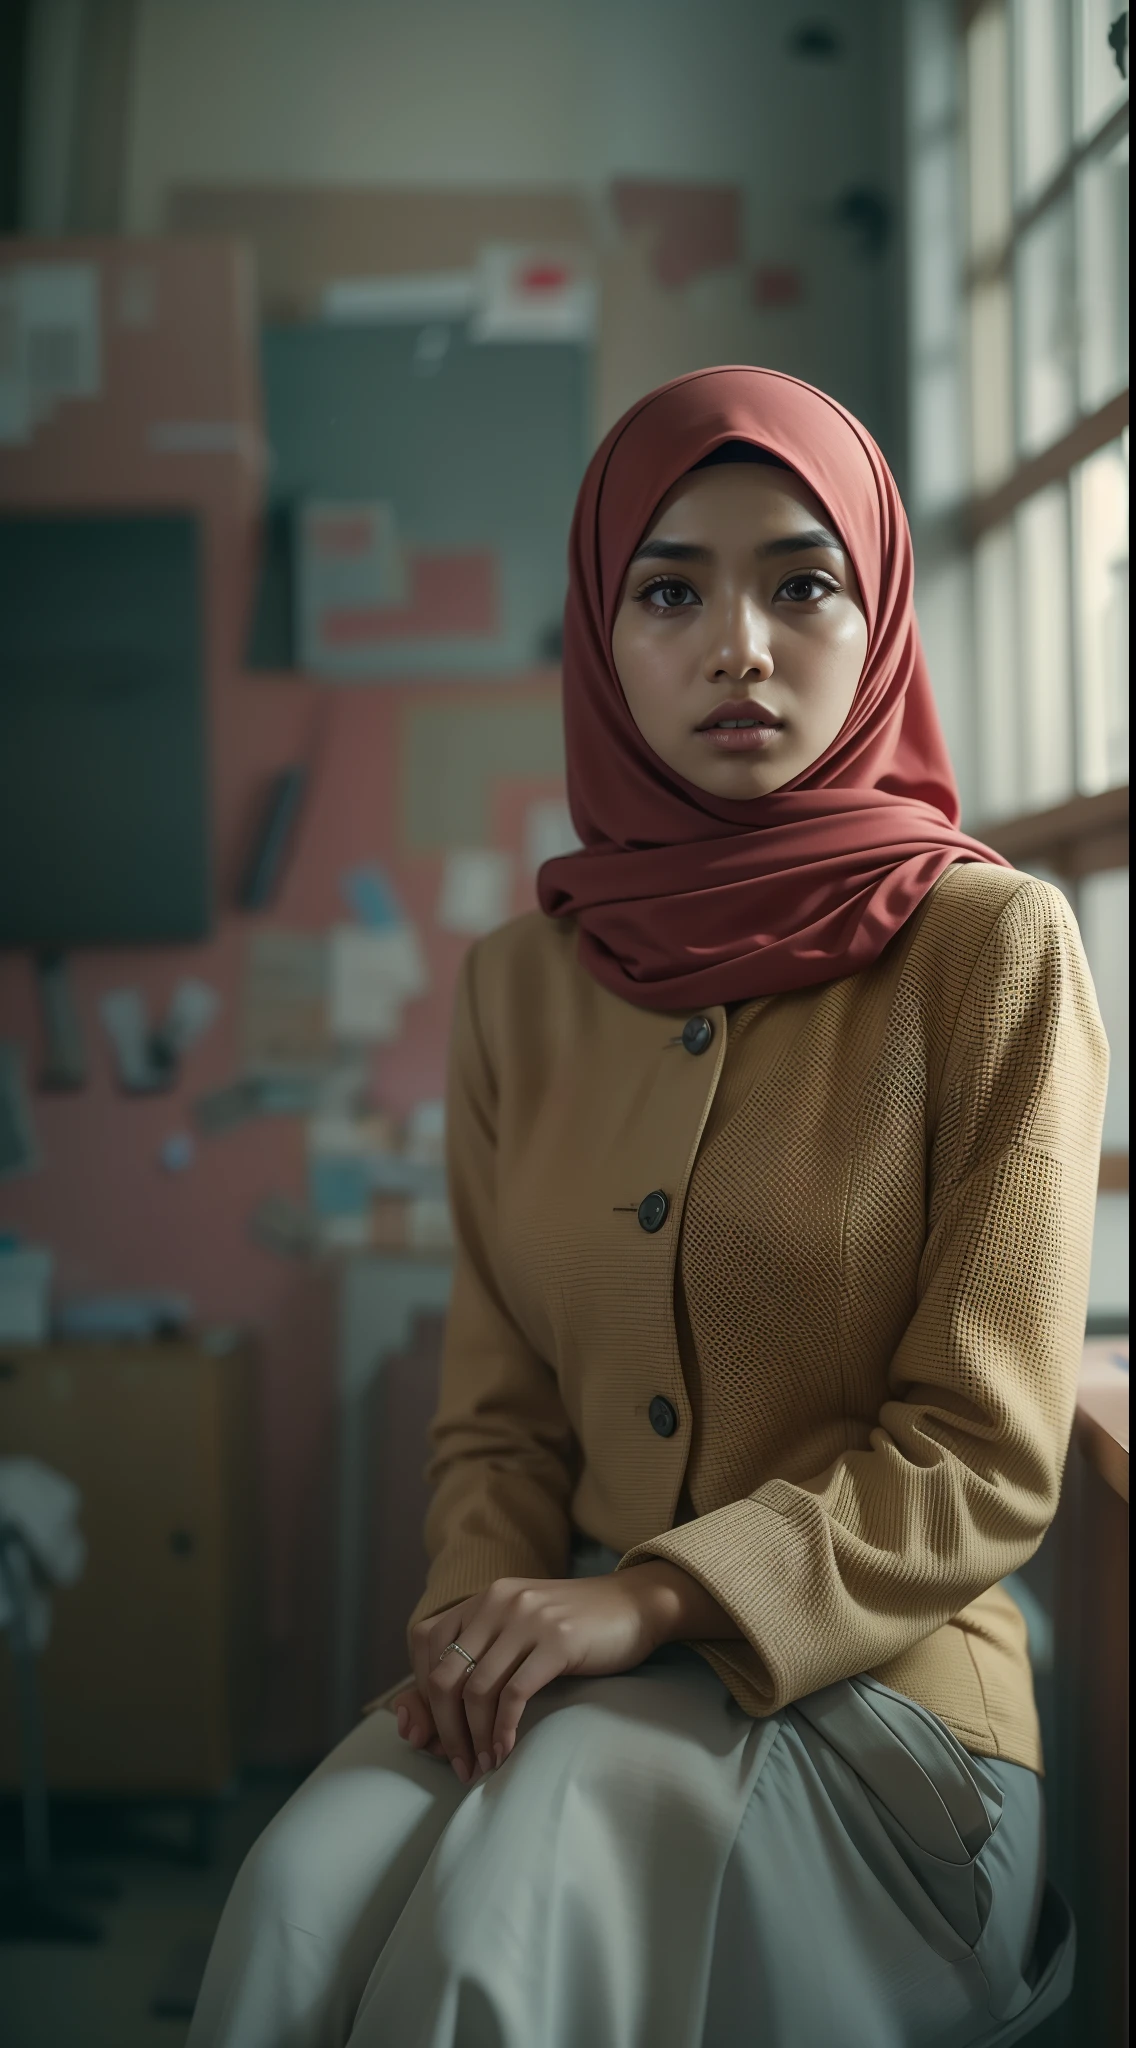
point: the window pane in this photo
(1100, 500)
(1102, 247)
(932, 48)
(991, 393)
(988, 130)
(1046, 652)
(996, 632)
(1046, 329)
(1041, 91)
(1100, 86)
(938, 440)
(933, 202)
(943, 604)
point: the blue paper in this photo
(369, 893)
(339, 1185)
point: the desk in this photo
(151, 1669)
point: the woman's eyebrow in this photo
(785, 544)
(799, 543)
(671, 551)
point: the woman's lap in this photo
(649, 1865)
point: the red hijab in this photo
(683, 897)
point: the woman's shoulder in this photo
(525, 968)
(977, 909)
(532, 947)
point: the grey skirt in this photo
(650, 1869)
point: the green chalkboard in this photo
(104, 834)
(476, 445)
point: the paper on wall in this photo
(348, 559)
(15, 388)
(369, 892)
(426, 1130)
(350, 1136)
(345, 1233)
(370, 976)
(429, 1226)
(477, 889)
(18, 1152)
(193, 1008)
(282, 1225)
(284, 1021)
(123, 1011)
(338, 1185)
(530, 292)
(549, 832)
(50, 343)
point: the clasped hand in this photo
(523, 1633)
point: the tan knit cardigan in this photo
(865, 1304)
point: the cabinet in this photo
(146, 1683)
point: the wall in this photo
(521, 96)
(533, 94)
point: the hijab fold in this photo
(683, 897)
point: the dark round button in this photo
(662, 1417)
(652, 1211)
(697, 1033)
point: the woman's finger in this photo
(481, 1693)
(539, 1669)
(444, 1688)
(437, 1629)
(416, 1723)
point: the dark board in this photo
(483, 448)
(103, 793)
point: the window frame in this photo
(1080, 836)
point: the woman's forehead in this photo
(746, 497)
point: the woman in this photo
(773, 1148)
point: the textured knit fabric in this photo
(865, 1304)
(684, 896)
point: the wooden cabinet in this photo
(146, 1681)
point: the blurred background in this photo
(310, 318)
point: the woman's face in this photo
(740, 635)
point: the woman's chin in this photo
(738, 779)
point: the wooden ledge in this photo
(1102, 1410)
(1084, 836)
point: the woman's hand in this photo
(523, 1633)
(416, 1722)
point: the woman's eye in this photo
(669, 594)
(806, 589)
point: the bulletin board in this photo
(104, 827)
(479, 449)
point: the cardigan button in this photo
(652, 1210)
(697, 1033)
(662, 1417)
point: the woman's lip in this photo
(746, 739)
(734, 708)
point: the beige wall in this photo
(564, 94)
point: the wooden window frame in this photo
(1087, 834)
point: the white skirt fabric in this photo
(651, 1868)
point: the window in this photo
(1017, 143)
(1018, 146)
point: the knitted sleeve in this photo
(960, 1480)
(504, 1456)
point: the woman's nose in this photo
(739, 646)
